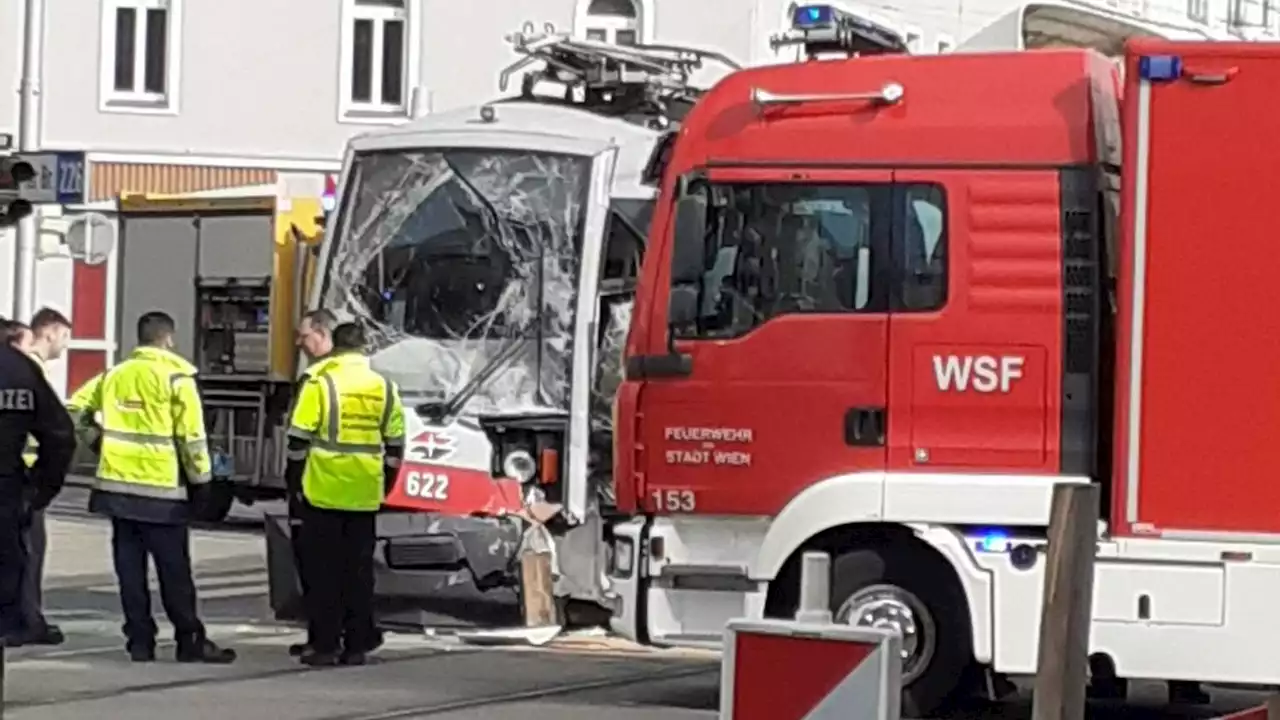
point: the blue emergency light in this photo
(828, 29)
(1160, 68)
(808, 17)
(993, 541)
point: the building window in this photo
(945, 45)
(376, 59)
(1270, 16)
(612, 21)
(1198, 10)
(139, 67)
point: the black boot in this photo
(351, 657)
(142, 653)
(43, 635)
(47, 634)
(204, 651)
(298, 649)
(319, 659)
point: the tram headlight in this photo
(519, 465)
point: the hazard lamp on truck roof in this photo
(806, 17)
(822, 29)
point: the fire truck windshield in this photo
(463, 263)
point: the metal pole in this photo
(815, 588)
(29, 105)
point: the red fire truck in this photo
(888, 302)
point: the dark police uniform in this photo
(28, 408)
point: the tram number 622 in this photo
(427, 486)
(680, 501)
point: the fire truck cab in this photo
(889, 301)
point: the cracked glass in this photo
(463, 266)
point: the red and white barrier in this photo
(810, 668)
(787, 670)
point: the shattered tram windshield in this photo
(463, 264)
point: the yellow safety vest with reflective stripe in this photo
(349, 415)
(152, 424)
(88, 429)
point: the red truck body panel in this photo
(1198, 267)
(993, 133)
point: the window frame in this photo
(641, 24)
(1237, 15)
(1198, 11)
(375, 112)
(640, 234)
(140, 101)
(899, 281)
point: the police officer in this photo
(346, 440)
(28, 408)
(44, 341)
(315, 339)
(19, 336)
(152, 429)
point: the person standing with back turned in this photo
(346, 441)
(152, 428)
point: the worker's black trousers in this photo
(35, 541)
(337, 565)
(169, 547)
(297, 513)
(13, 566)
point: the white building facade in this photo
(180, 96)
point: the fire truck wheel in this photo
(909, 589)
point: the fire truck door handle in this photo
(864, 427)
(1205, 76)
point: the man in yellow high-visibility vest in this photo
(346, 441)
(152, 426)
(44, 340)
(315, 339)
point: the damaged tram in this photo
(492, 252)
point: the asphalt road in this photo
(415, 675)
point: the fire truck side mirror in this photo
(689, 240)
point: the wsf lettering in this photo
(979, 373)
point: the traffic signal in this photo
(14, 171)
